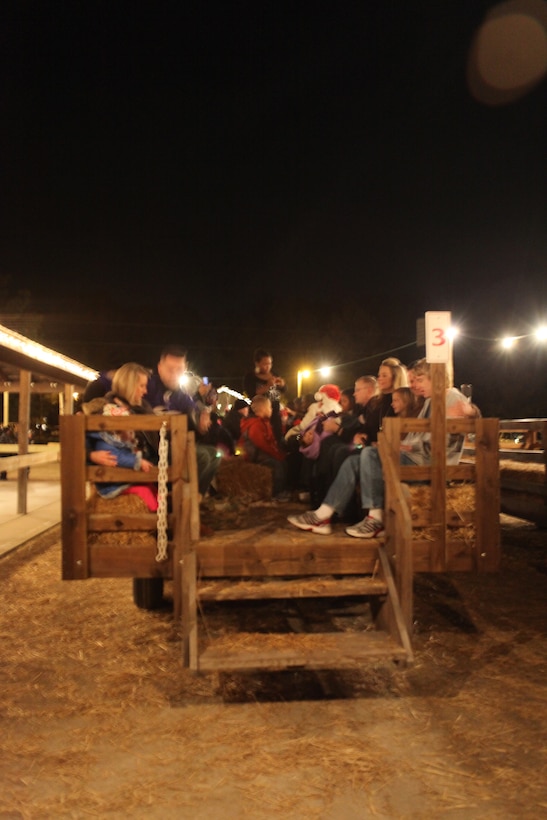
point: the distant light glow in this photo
(233, 393)
(453, 332)
(300, 376)
(20, 344)
(541, 333)
(325, 371)
(509, 342)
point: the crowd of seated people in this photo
(364, 470)
(322, 451)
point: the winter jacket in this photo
(258, 441)
(319, 434)
(125, 446)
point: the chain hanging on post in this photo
(161, 554)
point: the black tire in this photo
(148, 593)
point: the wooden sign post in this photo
(439, 355)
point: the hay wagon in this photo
(425, 534)
(523, 470)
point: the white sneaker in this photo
(311, 523)
(368, 528)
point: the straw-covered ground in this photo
(99, 719)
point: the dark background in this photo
(306, 176)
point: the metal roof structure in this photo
(50, 371)
(26, 367)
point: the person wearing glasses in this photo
(351, 434)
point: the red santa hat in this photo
(330, 390)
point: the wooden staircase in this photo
(307, 649)
(286, 564)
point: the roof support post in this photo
(22, 440)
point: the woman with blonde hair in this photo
(128, 448)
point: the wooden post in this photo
(22, 439)
(438, 465)
(5, 395)
(66, 400)
(73, 498)
(487, 496)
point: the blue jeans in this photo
(363, 466)
(279, 472)
(343, 487)
(207, 465)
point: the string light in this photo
(509, 342)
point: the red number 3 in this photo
(438, 336)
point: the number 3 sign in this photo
(437, 339)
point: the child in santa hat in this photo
(326, 404)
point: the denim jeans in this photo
(343, 487)
(363, 466)
(207, 465)
(279, 472)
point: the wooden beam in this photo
(22, 440)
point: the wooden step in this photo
(243, 652)
(306, 587)
(284, 553)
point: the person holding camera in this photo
(262, 381)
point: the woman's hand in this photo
(104, 458)
(331, 425)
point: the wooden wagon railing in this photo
(282, 562)
(440, 551)
(120, 544)
(523, 478)
(34, 454)
(533, 432)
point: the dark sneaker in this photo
(282, 498)
(368, 528)
(311, 523)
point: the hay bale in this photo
(459, 498)
(249, 482)
(120, 506)
(522, 471)
(460, 507)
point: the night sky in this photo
(193, 168)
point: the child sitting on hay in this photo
(259, 445)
